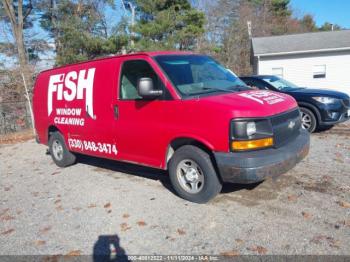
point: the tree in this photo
(308, 23)
(79, 29)
(280, 8)
(329, 27)
(17, 14)
(168, 24)
(220, 15)
(233, 46)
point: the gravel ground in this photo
(82, 209)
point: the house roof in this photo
(301, 43)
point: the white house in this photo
(315, 60)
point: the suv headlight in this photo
(250, 134)
(325, 99)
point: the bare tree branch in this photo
(28, 11)
(17, 22)
(20, 14)
(10, 12)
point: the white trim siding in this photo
(305, 52)
(299, 69)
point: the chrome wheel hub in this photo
(57, 150)
(190, 176)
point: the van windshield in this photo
(198, 74)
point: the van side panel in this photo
(62, 99)
(77, 100)
(40, 108)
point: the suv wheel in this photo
(308, 119)
(193, 175)
(59, 151)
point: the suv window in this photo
(256, 84)
(131, 72)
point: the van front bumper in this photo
(255, 166)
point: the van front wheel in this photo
(193, 175)
(59, 151)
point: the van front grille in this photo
(286, 127)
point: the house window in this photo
(278, 71)
(319, 71)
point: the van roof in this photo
(153, 53)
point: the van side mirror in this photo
(145, 88)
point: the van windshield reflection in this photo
(198, 74)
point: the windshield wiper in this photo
(240, 87)
(218, 89)
(235, 88)
(231, 89)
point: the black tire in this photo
(211, 184)
(311, 125)
(66, 158)
(324, 128)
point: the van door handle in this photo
(116, 111)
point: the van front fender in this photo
(182, 140)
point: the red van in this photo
(177, 111)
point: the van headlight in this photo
(250, 134)
(251, 128)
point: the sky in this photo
(332, 11)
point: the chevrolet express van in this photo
(176, 111)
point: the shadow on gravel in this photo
(107, 248)
(248, 194)
(150, 173)
(229, 187)
(131, 169)
(321, 129)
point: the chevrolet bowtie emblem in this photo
(291, 124)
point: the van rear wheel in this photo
(59, 151)
(193, 175)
